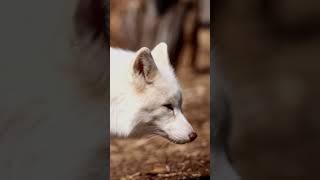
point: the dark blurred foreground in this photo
(53, 110)
(268, 88)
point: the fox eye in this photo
(168, 106)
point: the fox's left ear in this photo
(144, 66)
(160, 53)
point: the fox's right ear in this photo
(144, 66)
(161, 53)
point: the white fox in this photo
(145, 97)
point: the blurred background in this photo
(184, 26)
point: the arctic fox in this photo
(145, 97)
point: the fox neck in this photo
(122, 115)
(122, 105)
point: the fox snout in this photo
(175, 129)
(179, 130)
(182, 140)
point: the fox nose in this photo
(192, 136)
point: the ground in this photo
(158, 158)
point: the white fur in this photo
(136, 113)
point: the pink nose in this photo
(192, 136)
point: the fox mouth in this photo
(153, 130)
(175, 141)
(178, 141)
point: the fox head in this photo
(153, 99)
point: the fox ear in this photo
(160, 52)
(144, 65)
